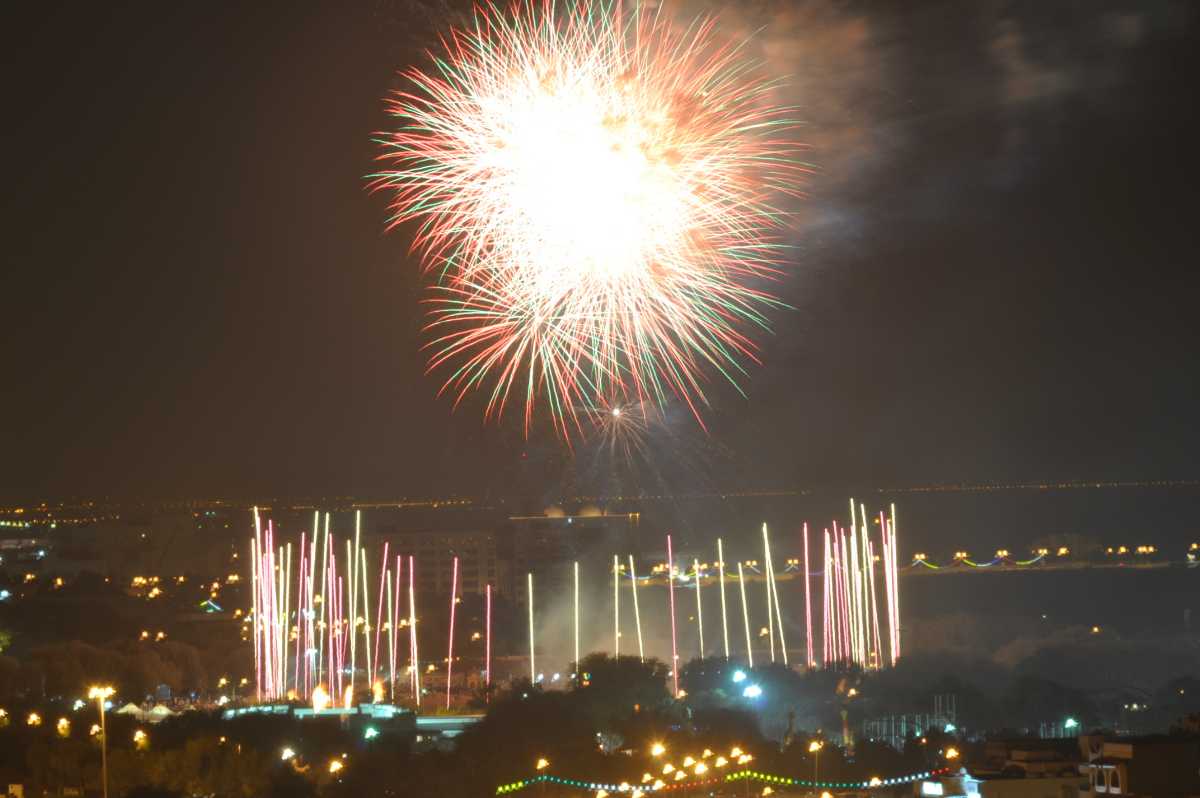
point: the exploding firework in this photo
(594, 189)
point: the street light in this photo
(952, 753)
(101, 694)
(814, 748)
(658, 749)
(539, 766)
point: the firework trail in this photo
(860, 609)
(594, 189)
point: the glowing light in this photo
(658, 749)
(63, 727)
(34, 719)
(700, 769)
(739, 676)
(875, 781)
(1070, 723)
(370, 733)
(141, 739)
(751, 691)
(335, 765)
(320, 699)
(286, 754)
(542, 764)
(593, 188)
(815, 746)
(952, 753)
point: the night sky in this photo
(994, 275)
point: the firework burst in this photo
(594, 190)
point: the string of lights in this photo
(753, 775)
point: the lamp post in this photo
(814, 748)
(101, 694)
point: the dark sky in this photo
(994, 278)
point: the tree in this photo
(612, 688)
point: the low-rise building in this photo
(1161, 767)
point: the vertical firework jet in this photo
(860, 609)
(852, 627)
(699, 606)
(450, 644)
(637, 614)
(721, 579)
(671, 595)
